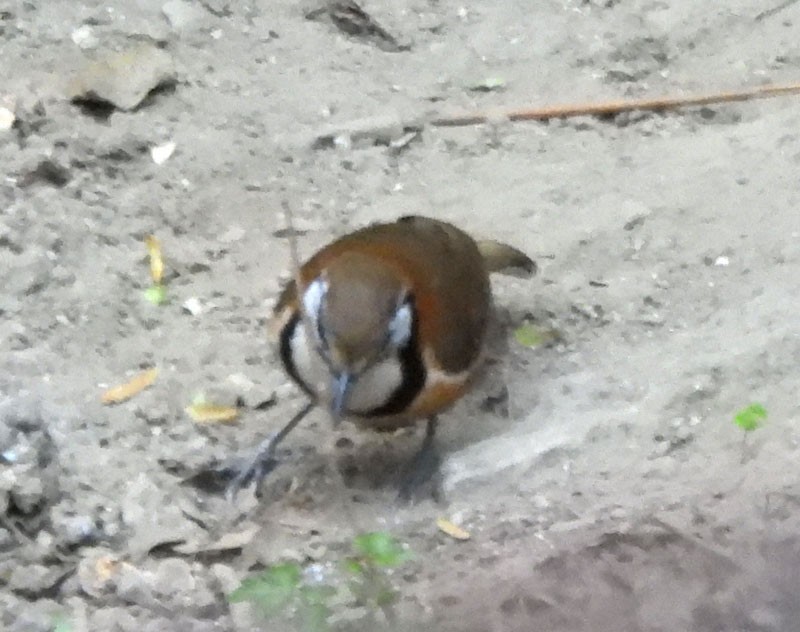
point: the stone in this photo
(181, 14)
(124, 79)
(135, 586)
(172, 577)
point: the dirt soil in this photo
(600, 476)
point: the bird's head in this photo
(360, 314)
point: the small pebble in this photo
(7, 119)
(32, 578)
(181, 14)
(135, 586)
(28, 494)
(98, 572)
(173, 576)
(124, 78)
(114, 619)
(161, 153)
(84, 38)
(73, 530)
(192, 306)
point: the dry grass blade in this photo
(208, 412)
(451, 529)
(156, 259)
(123, 392)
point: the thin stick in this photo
(616, 107)
(299, 284)
(294, 256)
(770, 12)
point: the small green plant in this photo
(749, 419)
(308, 600)
(279, 592)
(370, 582)
(530, 335)
(156, 294)
(61, 623)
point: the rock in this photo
(6, 483)
(32, 578)
(84, 38)
(123, 79)
(135, 586)
(174, 576)
(204, 603)
(175, 585)
(98, 572)
(181, 14)
(182, 623)
(33, 620)
(193, 306)
(220, 8)
(28, 273)
(114, 620)
(158, 624)
(7, 118)
(233, 234)
(161, 153)
(76, 524)
(28, 494)
(152, 517)
(226, 577)
(375, 130)
(47, 171)
(241, 613)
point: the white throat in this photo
(372, 389)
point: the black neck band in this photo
(413, 370)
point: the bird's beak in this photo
(340, 392)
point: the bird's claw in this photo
(254, 471)
(421, 474)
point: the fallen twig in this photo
(615, 107)
(770, 12)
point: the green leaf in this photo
(353, 566)
(156, 294)
(381, 549)
(528, 335)
(750, 417)
(315, 617)
(315, 609)
(272, 590)
(61, 624)
(319, 594)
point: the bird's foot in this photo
(253, 470)
(422, 475)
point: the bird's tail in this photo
(500, 257)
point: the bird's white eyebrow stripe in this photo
(313, 295)
(312, 299)
(400, 325)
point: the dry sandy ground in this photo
(601, 478)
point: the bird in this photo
(386, 326)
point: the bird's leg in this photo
(264, 461)
(423, 466)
